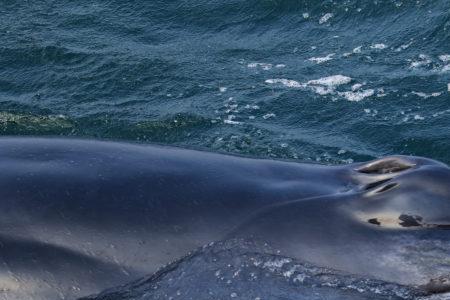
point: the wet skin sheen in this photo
(79, 216)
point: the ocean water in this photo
(323, 81)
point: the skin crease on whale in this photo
(80, 216)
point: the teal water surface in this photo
(326, 81)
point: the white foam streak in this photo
(264, 66)
(357, 50)
(328, 86)
(378, 46)
(285, 82)
(320, 60)
(423, 61)
(357, 96)
(325, 18)
(445, 58)
(331, 81)
(426, 96)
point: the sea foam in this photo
(320, 60)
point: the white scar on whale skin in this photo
(384, 219)
(9, 283)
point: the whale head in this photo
(389, 223)
(402, 192)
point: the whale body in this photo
(79, 216)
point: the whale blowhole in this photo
(386, 166)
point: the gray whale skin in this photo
(79, 216)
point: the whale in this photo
(78, 216)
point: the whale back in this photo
(392, 226)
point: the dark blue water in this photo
(328, 81)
